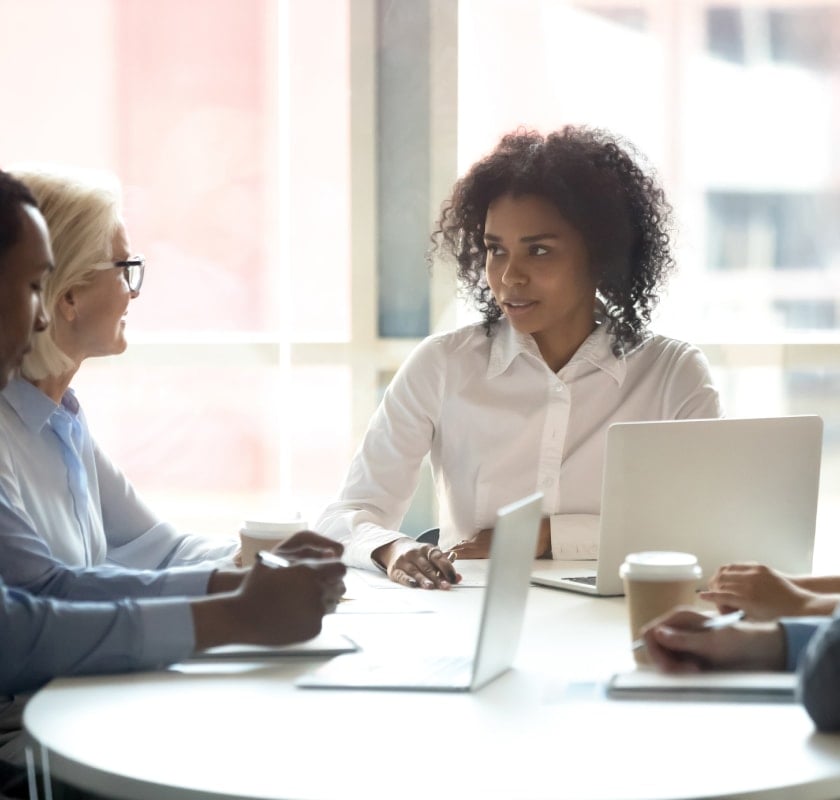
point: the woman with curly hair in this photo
(562, 242)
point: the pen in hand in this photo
(271, 560)
(712, 623)
(278, 562)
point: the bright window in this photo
(284, 161)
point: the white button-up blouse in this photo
(498, 424)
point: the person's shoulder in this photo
(466, 339)
(657, 346)
(440, 353)
(665, 356)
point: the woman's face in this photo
(96, 313)
(538, 270)
(22, 271)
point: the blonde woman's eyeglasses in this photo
(134, 268)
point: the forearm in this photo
(214, 621)
(27, 562)
(225, 580)
(362, 531)
(823, 593)
(821, 605)
(162, 547)
(828, 584)
(43, 639)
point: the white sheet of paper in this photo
(325, 643)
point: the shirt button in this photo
(545, 483)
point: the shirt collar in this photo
(33, 406)
(596, 350)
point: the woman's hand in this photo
(762, 592)
(479, 545)
(420, 566)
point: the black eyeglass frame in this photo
(135, 269)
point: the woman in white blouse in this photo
(73, 506)
(562, 242)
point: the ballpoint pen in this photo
(712, 623)
(271, 560)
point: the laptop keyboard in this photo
(362, 670)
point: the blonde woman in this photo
(72, 505)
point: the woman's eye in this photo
(493, 249)
(538, 250)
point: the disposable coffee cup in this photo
(655, 582)
(257, 535)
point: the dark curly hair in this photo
(13, 194)
(597, 186)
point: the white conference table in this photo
(543, 730)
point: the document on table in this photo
(325, 643)
(736, 686)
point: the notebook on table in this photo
(647, 684)
(503, 609)
(726, 490)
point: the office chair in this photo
(429, 536)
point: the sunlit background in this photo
(283, 164)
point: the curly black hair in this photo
(13, 194)
(590, 176)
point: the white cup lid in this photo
(660, 565)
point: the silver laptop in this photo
(725, 489)
(511, 556)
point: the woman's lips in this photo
(516, 308)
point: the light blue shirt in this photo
(68, 506)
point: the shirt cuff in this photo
(167, 631)
(798, 632)
(358, 552)
(187, 581)
(575, 537)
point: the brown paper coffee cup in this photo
(257, 535)
(655, 582)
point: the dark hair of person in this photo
(13, 194)
(593, 180)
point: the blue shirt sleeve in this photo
(798, 633)
(819, 676)
(43, 638)
(27, 563)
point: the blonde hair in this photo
(82, 208)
